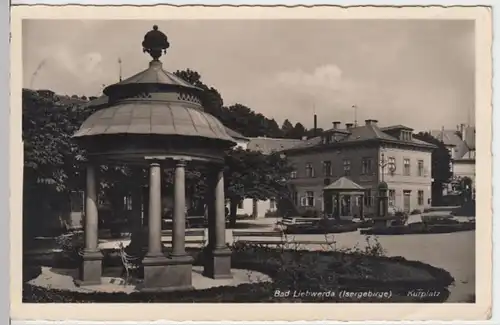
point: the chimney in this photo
(462, 129)
(371, 122)
(315, 127)
(336, 124)
(348, 125)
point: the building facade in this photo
(461, 144)
(265, 145)
(366, 155)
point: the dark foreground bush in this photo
(298, 276)
(420, 228)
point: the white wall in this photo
(465, 169)
(246, 207)
(399, 182)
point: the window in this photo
(308, 200)
(420, 197)
(347, 167)
(406, 166)
(295, 197)
(127, 203)
(368, 198)
(391, 164)
(366, 166)
(272, 204)
(309, 170)
(392, 198)
(450, 151)
(327, 168)
(293, 174)
(406, 135)
(240, 204)
(420, 168)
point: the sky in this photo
(419, 73)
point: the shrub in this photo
(271, 214)
(356, 269)
(416, 211)
(71, 245)
(291, 269)
(310, 213)
(420, 228)
(401, 218)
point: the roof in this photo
(103, 101)
(153, 118)
(461, 146)
(98, 102)
(344, 184)
(359, 134)
(396, 127)
(269, 145)
(448, 137)
(470, 137)
(235, 135)
(153, 75)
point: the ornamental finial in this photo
(155, 43)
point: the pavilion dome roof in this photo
(157, 103)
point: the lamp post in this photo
(385, 163)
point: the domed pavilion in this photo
(156, 119)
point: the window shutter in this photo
(303, 201)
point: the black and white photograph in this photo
(249, 160)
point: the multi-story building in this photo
(366, 155)
(461, 144)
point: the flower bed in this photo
(325, 226)
(421, 228)
(292, 271)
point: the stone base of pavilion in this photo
(64, 279)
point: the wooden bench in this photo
(191, 222)
(249, 237)
(188, 233)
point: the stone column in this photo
(179, 216)
(91, 265)
(172, 273)
(255, 209)
(155, 275)
(339, 206)
(154, 238)
(218, 255)
(361, 202)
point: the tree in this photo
(298, 131)
(464, 187)
(238, 116)
(441, 162)
(251, 174)
(286, 128)
(53, 161)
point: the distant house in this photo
(258, 208)
(365, 154)
(461, 144)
